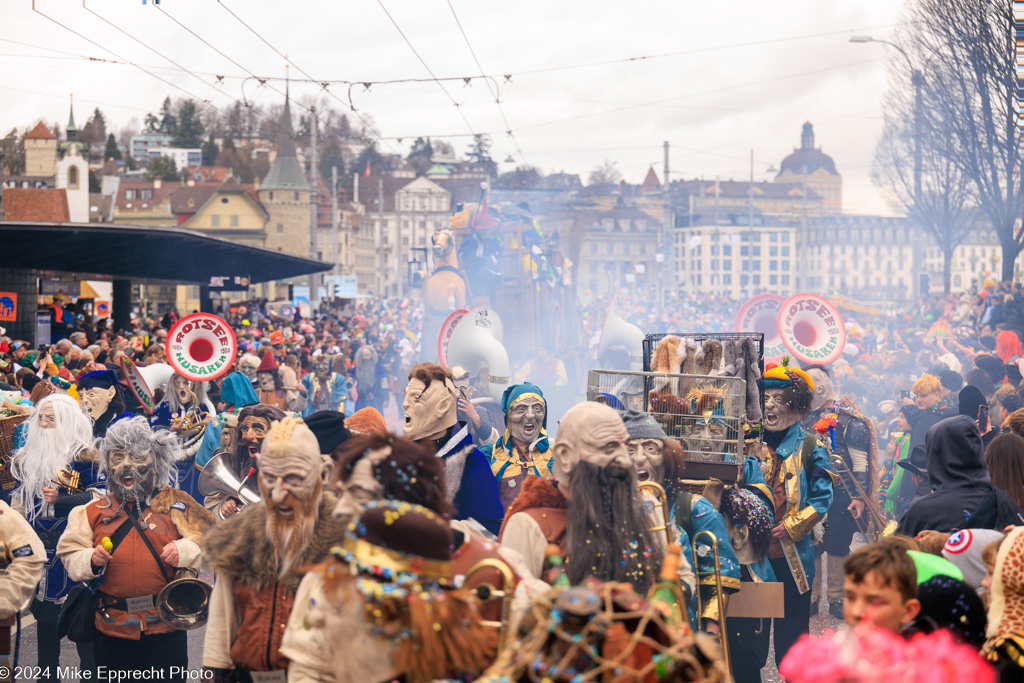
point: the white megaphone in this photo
(475, 344)
(618, 333)
(146, 380)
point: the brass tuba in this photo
(486, 591)
(184, 603)
(883, 528)
(218, 477)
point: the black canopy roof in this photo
(142, 253)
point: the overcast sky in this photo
(744, 75)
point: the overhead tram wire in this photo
(262, 81)
(322, 84)
(127, 61)
(493, 89)
(425, 66)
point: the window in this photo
(744, 250)
(280, 228)
(191, 202)
(73, 178)
(129, 195)
(215, 220)
(147, 194)
(271, 195)
(757, 251)
(773, 237)
(757, 279)
(233, 220)
(610, 248)
(773, 265)
(643, 249)
(785, 250)
(785, 237)
(785, 265)
(755, 265)
(714, 249)
(773, 251)
(593, 247)
(626, 248)
(714, 264)
(726, 264)
(773, 279)
(727, 279)
(726, 250)
(295, 196)
(785, 279)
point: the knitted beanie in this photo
(641, 425)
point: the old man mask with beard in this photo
(608, 534)
(58, 432)
(138, 461)
(292, 474)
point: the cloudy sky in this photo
(721, 79)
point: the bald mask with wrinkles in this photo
(590, 432)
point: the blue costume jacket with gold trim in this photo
(704, 517)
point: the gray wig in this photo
(135, 436)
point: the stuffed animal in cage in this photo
(742, 361)
(683, 356)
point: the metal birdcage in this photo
(7, 426)
(704, 413)
(651, 342)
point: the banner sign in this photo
(229, 283)
(201, 346)
(9, 306)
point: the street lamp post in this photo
(917, 80)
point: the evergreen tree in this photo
(419, 155)
(13, 147)
(188, 126)
(210, 151)
(94, 183)
(168, 123)
(163, 168)
(480, 153)
(332, 156)
(369, 156)
(111, 152)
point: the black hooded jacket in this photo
(960, 484)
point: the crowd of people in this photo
(368, 520)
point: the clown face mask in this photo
(779, 415)
(131, 474)
(525, 418)
(648, 456)
(266, 381)
(429, 410)
(96, 400)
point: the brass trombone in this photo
(486, 591)
(659, 494)
(70, 480)
(719, 597)
(882, 527)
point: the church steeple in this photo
(286, 135)
(72, 130)
(807, 137)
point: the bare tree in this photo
(608, 172)
(970, 55)
(937, 194)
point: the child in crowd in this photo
(881, 587)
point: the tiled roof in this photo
(40, 132)
(741, 189)
(48, 205)
(159, 193)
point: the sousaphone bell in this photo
(218, 477)
(184, 603)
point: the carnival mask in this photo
(96, 400)
(184, 389)
(361, 488)
(321, 365)
(590, 432)
(429, 410)
(704, 438)
(266, 381)
(779, 415)
(47, 420)
(131, 474)
(648, 456)
(742, 543)
(251, 432)
(525, 418)
(248, 369)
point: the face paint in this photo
(525, 419)
(778, 414)
(648, 456)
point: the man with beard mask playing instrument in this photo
(253, 425)
(523, 450)
(653, 456)
(157, 528)
(592, 510)
(800, 479)
(431, 419)
(58, 448)
(100, 395)
(261, 554)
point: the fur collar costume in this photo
(192, 520)
(240, 549)
(537, 493)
